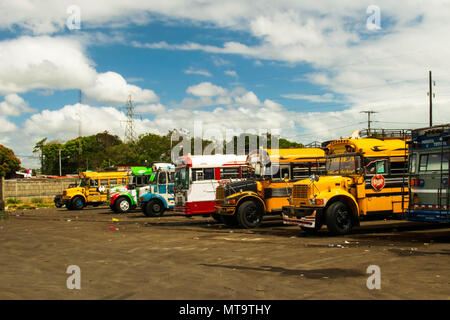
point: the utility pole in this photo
(80, 148)
(431, 95)
(369, 112)
(59, 150)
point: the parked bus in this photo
(245, 203)
(92, 189)
(159, 197)
(124, 198)
(196, 179)
(364, 178)
(429, 175)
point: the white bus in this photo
(196, 179)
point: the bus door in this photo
(443, 191)
(94, 191)
(162, 183)
(378, 186)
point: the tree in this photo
(9, 163)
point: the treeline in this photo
(104, 150)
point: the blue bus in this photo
(429, 175)
(160, 197)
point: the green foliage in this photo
(37, 200)
(104, 150)
(9, 163)
(13, 201)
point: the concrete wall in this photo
(26, 190)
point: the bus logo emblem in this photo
(378, 182)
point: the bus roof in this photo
(163, 166)
(140, 171)
(295, 155)
(286, 155)
(111, 174)
(211, 161)
(370, 147)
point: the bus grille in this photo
(300, 194)
(220, 193)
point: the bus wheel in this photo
(77, 203)
(249, 215)
(229, 221)
(122, 205)
(339, 218)
(216, 217)
(154, 208)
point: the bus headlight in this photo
(317, 202)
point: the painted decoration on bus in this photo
(378, 182)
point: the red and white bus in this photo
(196, 179)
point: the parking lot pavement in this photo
(131, 256)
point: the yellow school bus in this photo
(92, 189)
(364, 178)
(245, 202)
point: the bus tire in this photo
(154, 208)
(339, 218)
(122, 205)
(229, 221)
(249, 215)
(77, 203)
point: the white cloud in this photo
(60, 63)
(231, 73)
(6, 127)
(248, 99)
(43, 62)
(112, 87)
(198, 71)
(206, 89)
(14, 105)
(327, 97)
(150, 108)
(63, 123)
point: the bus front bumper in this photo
(302, 216)
(226, 210)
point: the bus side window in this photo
(445, 161)
(423, 162)
(104, 182)
(285, 173)
(376, 167)
(229, 173)
(113, 182)
(93, 183)
(398, 167)
(412, 163)
(162, 179)
(208, 174)
(171, 176)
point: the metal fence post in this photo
(2, 193)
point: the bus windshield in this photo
(182, 178)
(84, 182)
(343, 164)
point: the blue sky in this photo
(306, 69)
